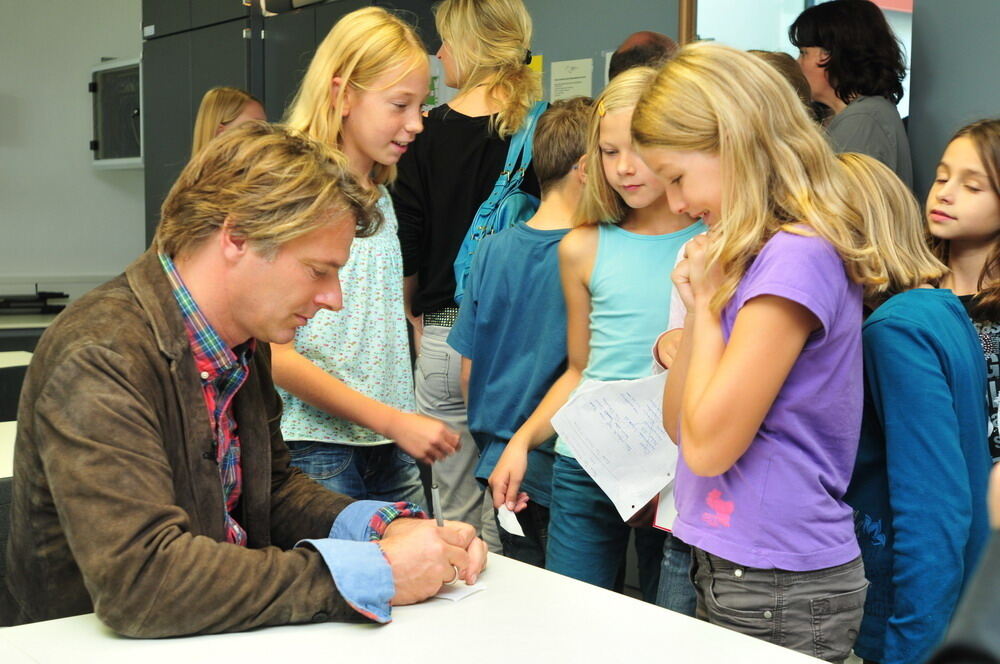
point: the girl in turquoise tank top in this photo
(616, 279)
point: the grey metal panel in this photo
(289, 44)
(954, 51)
(167, 117)
(208, 12)
(418, 14)
(165, 17)
(219, 56)
(587, 28)
(328, 14)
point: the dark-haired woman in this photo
(855, 66)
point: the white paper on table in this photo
(615, 429)
(666, 510)
(458, 591)
(508, 521)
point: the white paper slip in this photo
(615, 430)
(459, 591)
(508, 521)
(666, 510)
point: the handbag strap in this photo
(519, 153)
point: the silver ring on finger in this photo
(454, 578)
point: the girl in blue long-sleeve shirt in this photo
(919, 484)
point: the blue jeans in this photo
(587, 537)
(376, 472)
(676, 591)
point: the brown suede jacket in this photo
(117, 503)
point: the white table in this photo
(14, 358)
(525, 615)
(7, 431)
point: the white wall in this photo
(62, 222)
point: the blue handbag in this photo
(506, 205)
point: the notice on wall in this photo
(571, 78)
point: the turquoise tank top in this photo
(630, 291)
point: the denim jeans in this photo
(817, 612)
(676, 591)
(587, 537)
(375, 472)
(439, 395)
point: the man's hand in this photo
(423, 438)
(505, 480)
(422, 556)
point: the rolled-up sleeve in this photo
(354, 558)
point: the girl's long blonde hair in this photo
(894, 223)
(601, 203)
(777, 168)
(219, 106)
(490, 41)
(360, 48)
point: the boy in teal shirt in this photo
(511, 328)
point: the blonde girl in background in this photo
(223, 108)
(963, 216)
(443, 179)
(614, 271)
(765, 394)
(346, 378)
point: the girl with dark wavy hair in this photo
(855, 66)
(963, 216)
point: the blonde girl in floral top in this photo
(346, 378)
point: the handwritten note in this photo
(615, 429)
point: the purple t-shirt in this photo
(781, 504)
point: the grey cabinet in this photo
(177, 70)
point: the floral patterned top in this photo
(365, 344)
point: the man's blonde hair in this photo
(360, 48)
(490, 40)
(601, 203)
(219, 106)
(777, 168)
(269, 184)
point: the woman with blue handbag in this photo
(445, 178)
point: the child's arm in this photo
(417, 322)
(464, 379)
(729, 388)
(930, 490)
(421, 437)
(576, 261)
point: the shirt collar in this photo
(211, 354)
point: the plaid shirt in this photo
(222, 372)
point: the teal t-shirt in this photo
(512, 325)
(630, 291)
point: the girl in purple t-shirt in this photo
(765, 393)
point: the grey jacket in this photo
(117, 503)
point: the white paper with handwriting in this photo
(615, 429)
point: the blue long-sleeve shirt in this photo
(919, 484)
